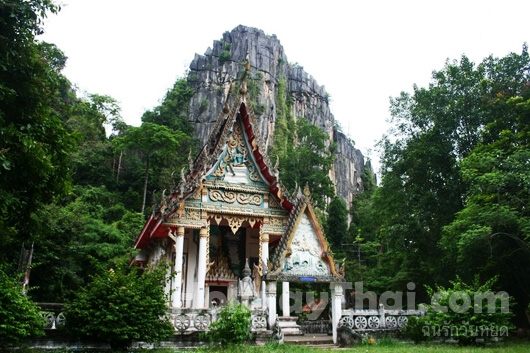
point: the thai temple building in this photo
(231, 232)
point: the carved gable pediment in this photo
(236, 164)
(303, 254)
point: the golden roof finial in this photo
(307, 192)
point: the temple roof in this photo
(306, 248)
(234, 109)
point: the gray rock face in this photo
(211, 74)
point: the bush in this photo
(19, 317)
(232, 325)
(413, 330)
(466, 324)
(119, 307)
(224, 57)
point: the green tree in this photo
(337, 224)
(307, 161)
(469, 320)
(174, 110)
(121, 306)
(158, 147)
(34, 143)
(491, 234)
(78, 238)
(304, 151)
(19, 316)
(422, 187)
(93, 160)
(232, 325)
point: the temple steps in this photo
(289, 326)
(312, 340)
(293, 334)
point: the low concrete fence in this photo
(53, 315)
(377, 320)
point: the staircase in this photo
(294, 335)
(317, 340)
(289, 326)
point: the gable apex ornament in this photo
(307, 192)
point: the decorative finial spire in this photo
(298, 191)
(246, 270)
(307, 192)
(182, 182)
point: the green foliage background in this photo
(232, 325)
(465, 326)
(19, 317)
(453, 198)
(121, 306)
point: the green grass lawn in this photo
(393, 347)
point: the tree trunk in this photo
(145, 183)
(119, 166)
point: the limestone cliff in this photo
(210, 76)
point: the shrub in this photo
(224, 57)
(232, 325)
(19, 316)
(465, 324)
(203, 105)
(413, 330)
(119, 307)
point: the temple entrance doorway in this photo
(229, 252)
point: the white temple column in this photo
(264, 260)
(177, 270)
(201, 269)
(285, 299)
(336, 307)
(271, 303)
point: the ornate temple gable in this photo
(303, 253)
(236, 164)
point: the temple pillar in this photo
(285, 299)
(336, 307)
(264, 244)
(271, 303)
(201, 269)
(177, 270)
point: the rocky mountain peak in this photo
(210, 76)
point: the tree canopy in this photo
(454, 183)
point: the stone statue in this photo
(246, 290)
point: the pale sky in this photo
(363, 51)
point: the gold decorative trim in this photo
(235, 221)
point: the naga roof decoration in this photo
(303, 253)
